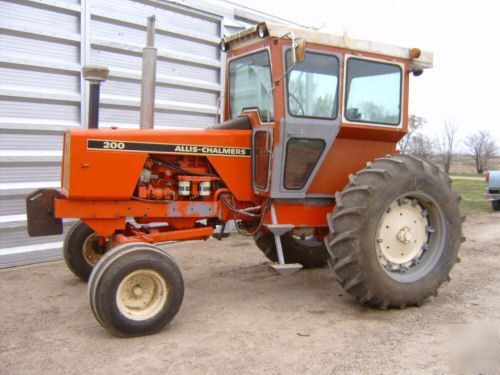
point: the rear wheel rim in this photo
(410, 237)
(142, 294)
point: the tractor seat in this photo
(238, 123)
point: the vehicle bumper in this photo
(40, 212)
(492, 197)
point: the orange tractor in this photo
(305, 161)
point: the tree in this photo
(446, 142)
(420, 145)
(415, 123)
(482, 148)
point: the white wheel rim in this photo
(90, 255)
(402, 235)
(142, 294)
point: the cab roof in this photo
(275, 30)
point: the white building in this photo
(44, 44)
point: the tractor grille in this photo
(66, 158)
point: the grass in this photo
(472, 193)
(467, 174)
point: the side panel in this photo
(106, 164)
(347, 156)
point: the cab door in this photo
(311, 122)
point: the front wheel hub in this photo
(142, 294)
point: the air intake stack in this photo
(95, 74)
(149, 56)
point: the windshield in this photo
(249, 81)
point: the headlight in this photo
(262, 30)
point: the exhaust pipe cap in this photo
(95, 73)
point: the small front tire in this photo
(81, 250)
(136, 289)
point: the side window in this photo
(313, 85)
(373, 92)
(302, 156)
(249, 82)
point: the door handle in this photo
(296, 133)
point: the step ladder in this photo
(284, 269)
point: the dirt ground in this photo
(239, 316)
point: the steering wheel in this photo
(298, 102)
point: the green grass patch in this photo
(464, 174)
(472, 193)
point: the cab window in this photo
(249, 82)
(373, 92)
(313, 86)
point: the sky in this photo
(464, 36)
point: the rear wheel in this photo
(495, 205)
(395, 232)
(81, 250)
(303, 249)
(136, 289)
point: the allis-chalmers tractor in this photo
(305, 161)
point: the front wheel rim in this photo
(410, 237)
(142, 294)
(90, 254)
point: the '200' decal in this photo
(113, 145)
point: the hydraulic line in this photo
(235, 211)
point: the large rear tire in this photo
(395, 232)
(308, 252)
(135, 289)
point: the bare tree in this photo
(482, 148)
(420, 145)
(445, 143)
(414, 124)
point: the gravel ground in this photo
(239, 316)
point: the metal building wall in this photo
(43, 45)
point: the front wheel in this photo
(396, 231)
(82, 250)
(136, 289)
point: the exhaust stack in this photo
(149, 56)
(95, 74)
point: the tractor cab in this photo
(305, 90)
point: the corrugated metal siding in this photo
(40, 95)
(44, 43)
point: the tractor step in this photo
(287, 269)
(284, 269)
